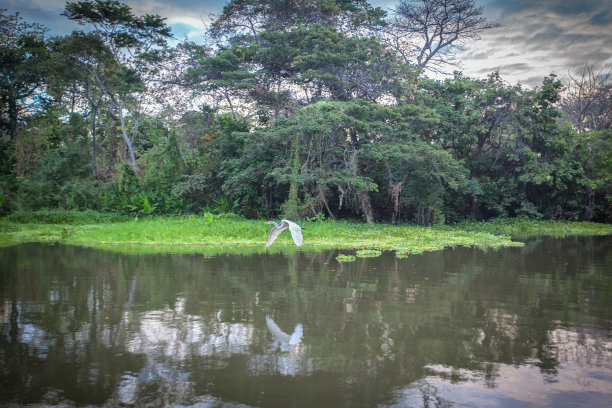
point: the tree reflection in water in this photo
(521, 326)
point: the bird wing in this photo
(274, 233)
(296, 232)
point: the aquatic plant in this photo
(345, 258)
(368, 253)
(225, 231)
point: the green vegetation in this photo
(307, 116)
(368, 253)
(229, 233)
(72, 217)
(345, 258)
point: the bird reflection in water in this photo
(283, 340)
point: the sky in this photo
(537, 37)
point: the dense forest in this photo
(301, 108)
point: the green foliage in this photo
(368, 253)
(598, 168)
(24, 63)
(62, 180)
(274, 16)
(164, 166)
(345, 258)
(131, 200)
(222, 205)
(119, 27)
(73, 217)
(313, 119)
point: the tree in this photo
(128, 37)
(587, 103)
(280, 71)
(82, 63)
(522, 160)
(23, 61)
(248, 18)
(430, 30)
(314, 161)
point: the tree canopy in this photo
(312, 109)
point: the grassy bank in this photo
(227, 234)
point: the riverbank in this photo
(226, 233)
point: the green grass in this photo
(522, 228)
(233, 234)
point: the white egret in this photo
(296, 231)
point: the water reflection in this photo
(283, 340)
(285, 355)
(524, 326)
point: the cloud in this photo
(560, 7)
(543, 37)
(507, 69)
(602, 18)
(183, 31)
(178, 10)
(479, 56)
(518, 67)
(48, 12)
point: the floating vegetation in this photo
(368, 253)
(404, 253)
(226, 234)
(345, 258)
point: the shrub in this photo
(74, 217)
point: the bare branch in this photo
(430, 30)
(588, 101)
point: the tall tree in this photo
(429, 31)
(251, 17)
(85, 63)
(128, 37)
(24, 56)
(587, 102)
(281, 71)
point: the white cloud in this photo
(539, 38)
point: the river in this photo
(515, 327)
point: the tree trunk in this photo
(363, 198)
(365, 205)
(94, 117)
(116, 112)
(128, 143)
(94, 112)
(12, 113)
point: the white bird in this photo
(296, 231)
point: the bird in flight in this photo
(296, 231)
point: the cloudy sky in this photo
(537, 37)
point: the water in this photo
(525, 326)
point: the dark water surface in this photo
(517, 327)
